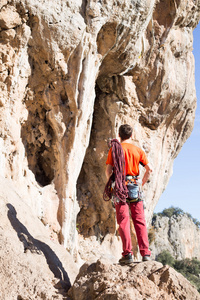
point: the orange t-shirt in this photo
(133, 157)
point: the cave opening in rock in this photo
(37, 136)
(44, 174)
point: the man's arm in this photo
(146, 174)
(109, 170)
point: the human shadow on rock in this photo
(36, 246)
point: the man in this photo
(133, 157)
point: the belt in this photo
(133, 200)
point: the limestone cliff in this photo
(71, 72)
(176, 234)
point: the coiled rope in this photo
(119, 190)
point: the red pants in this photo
(138, 217)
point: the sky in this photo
(183, 189)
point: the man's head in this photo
(125, 132)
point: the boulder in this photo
(9, 17)
(145, 280)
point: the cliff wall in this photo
(176, 234)
(71, 72)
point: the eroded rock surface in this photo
(146, 280)
(71, 72)
(32, 264)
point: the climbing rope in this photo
(119, 189)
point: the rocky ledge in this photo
(145, 280)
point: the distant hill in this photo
(177, 232)
(175, 241)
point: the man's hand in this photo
(109, 170)
(146, 174)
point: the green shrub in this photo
(187, 265)
(171, 211)
(165, 258)
(175, 211)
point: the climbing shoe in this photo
(125, 260)
(146, 258)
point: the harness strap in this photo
(133, 200)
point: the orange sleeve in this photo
(109, 160)
(143, 159)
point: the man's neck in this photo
(125, 141)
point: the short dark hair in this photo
(125, 131)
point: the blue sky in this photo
(183, 189)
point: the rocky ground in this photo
(141, 281)
(34, 266)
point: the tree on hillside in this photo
(165, 258)
(172, 211)
(175, 211)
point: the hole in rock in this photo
(44, 173)
(37, 136)
(64, 98)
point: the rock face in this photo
(32, 265)
(147, 280)
(71, 72)
(178, 235)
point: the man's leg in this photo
(138, 217)
(123, 220)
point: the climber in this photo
(122, 166)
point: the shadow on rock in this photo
(36, 246)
